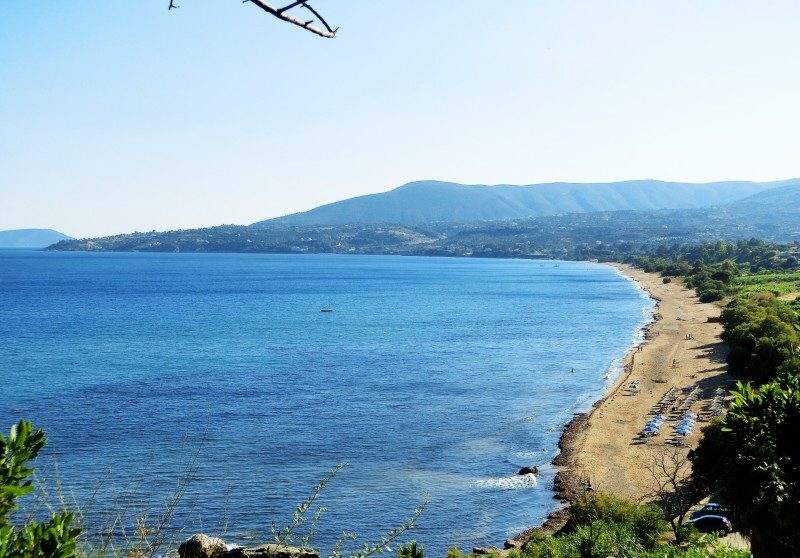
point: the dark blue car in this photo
(718, 524)
(711, 508)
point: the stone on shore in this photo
(272, 551)
(488, 551)
(202, 546)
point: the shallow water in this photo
(432, 376)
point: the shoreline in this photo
(680, 349)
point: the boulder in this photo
(272, 551)
(202, 546)
(529, 471)
(512, 543)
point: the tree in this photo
(670, 470)
(54, 539)
(282, 14)
(751, 459)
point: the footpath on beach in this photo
(670, 385)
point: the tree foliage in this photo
(751, 459)
(54, 539)
(761, 336)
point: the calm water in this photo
(432, 376)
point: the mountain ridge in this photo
(772, 215)
(431, 201)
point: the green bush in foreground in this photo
(602, 525)
(54, 539)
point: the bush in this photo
(644, 523)
(54, 539)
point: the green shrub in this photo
(411, 550)
(543, 546)
(54, 539)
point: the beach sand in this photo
(683, 349)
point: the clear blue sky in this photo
(119, 116)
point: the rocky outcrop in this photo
(529, 471)
(202, 546)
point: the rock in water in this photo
(202, 546)
(528, 471)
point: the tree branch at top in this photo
(281, 14)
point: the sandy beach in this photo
(682, 357)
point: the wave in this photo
(514, 482)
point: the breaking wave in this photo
(515, 482)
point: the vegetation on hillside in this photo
(603, 236)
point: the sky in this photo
(121, 116)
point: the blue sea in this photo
(432, 378)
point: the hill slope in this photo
(772, 215)
(435, 202)
(30, 238)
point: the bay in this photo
(432, 378)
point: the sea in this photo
(214, 388)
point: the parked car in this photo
(711, 524)
(711, 508)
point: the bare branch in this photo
(320, 18)
(280, 13)
(671, 474)
(292, 5)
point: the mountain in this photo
(445, 202)
(30, 238)
(772, 215)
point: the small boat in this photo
(327, 309)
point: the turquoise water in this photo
(432, 376)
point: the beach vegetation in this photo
(645, 522)
(602, 525)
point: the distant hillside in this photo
(781, 204)
(772, 215)
(444, 202)
(30, 238)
